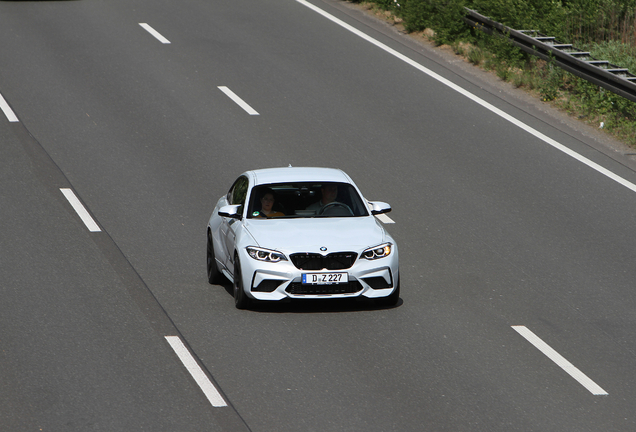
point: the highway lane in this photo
(495, 228)
(80, 344)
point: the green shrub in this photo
(476, 55)
(443, 16)
(385, 4)
(504, 72)
(503, 49)
(615, 51)
(417, 15)
(600, 20)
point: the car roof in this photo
(298, 174)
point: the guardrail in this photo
(580, 63)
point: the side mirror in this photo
(378, 207)
(231, 211)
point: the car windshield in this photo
(305, 200)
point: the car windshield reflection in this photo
(305, 200)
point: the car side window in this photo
(238, 191)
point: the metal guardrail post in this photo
(580, 63)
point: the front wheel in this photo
(241, 301)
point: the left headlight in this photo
(379, 251)
(266, 255)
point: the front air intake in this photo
(298, 288)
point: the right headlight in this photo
(266, 255)
(379, 251)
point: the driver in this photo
(329, 195)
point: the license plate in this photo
(325, 278)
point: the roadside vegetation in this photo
(605, 28)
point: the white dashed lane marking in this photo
(80, 210)
(574, 372)
(155, 33)
(240, 102)
(197, 373)
(7, 110)
(384, 219)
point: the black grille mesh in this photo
(304, 289)
(315, 261)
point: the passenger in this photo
(267, 204)
(329, 195)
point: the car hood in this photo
(309, 235)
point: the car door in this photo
(230, 226)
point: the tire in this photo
(391, 299)
(241, 300)
(215, 277)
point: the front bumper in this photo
(277, 281)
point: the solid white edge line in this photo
(240, 102)
(80, 210)
(7, 110)
(475, 98)
(155, 33)
(195, 370)
(574, 372)
(384, 219)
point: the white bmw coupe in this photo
(304, 233)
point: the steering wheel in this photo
(335, 205)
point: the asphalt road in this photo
(502, 235)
